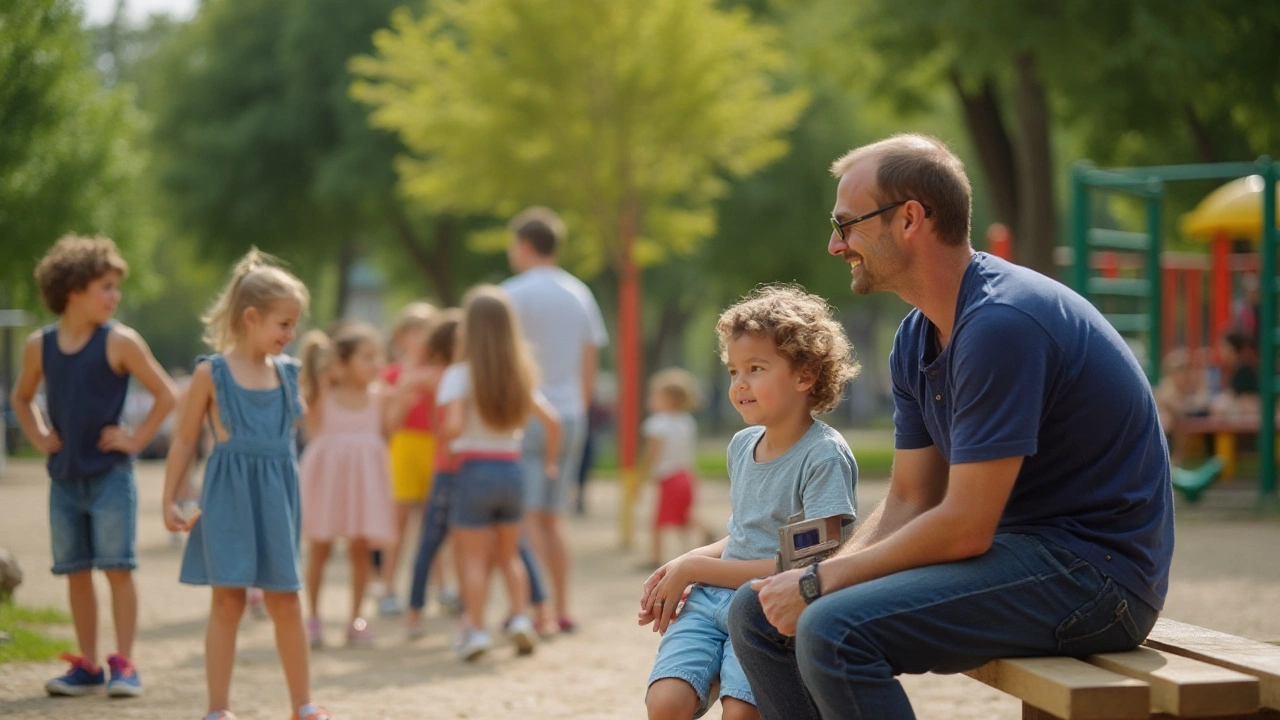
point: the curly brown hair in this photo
(803, 328)
(71, 264)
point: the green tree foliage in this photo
(67, 158)
(620, 113)
(259, 143)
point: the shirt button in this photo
(937, 397)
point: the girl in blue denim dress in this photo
(245, 534)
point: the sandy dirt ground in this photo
(1226, 576)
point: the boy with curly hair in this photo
(788, 360)
(85, 360)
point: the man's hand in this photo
(663, 592)
(781, 601)
(118, 439)
(49, 444)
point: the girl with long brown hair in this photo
(486, 397)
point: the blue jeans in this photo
(435, 527)
(93, 522)
(541, 492)
(1023, 597)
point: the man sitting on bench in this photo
(1030, 510)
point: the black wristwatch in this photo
(810, 584)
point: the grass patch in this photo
(27, 641)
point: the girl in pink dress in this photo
(345, 471)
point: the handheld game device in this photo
(804, 542)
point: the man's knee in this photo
(745, 614)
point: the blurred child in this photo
(413, 444)
(344, 469)
(670, 453)
(788, 360)
(1180, 394)
(245, 533)
(438, 355)
(486, 398)
(85, 360)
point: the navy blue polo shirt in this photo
(1034, 370)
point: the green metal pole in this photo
(1155, 304)
(1267, 436)
(1080, 229)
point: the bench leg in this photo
(1263, 714)
(1030, 712)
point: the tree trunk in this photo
(671, 324)
(437, 265)
(346, 256)
(1200, 134)
(995, 148)
(1037, 231)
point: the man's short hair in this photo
(921, 168)
(71, 264)
(541, 227)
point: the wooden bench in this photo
(1225, 431)
(1182, 671)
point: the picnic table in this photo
(1181, 671)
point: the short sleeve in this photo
(828, 488)
(1003, 364)
(909, 430)
(595, 320)
(652, 426)
(453, 384)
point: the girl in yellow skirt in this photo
(413, 445)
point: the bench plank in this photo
(1247, 656)
(1184, 687)
(1068, 688)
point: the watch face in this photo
(809, 587)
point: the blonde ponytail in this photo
(317, 357)
(257, 280)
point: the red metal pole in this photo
(628, 376)
(1195, 311)
(1220, 300)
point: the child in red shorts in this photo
(670, 451)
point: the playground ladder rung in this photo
(1119, 239)
(1129, 322)
(1129, 287)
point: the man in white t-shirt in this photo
(562, 322)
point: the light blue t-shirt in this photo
(560, 319)
(817, 476)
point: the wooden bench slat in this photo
(1247, 656)
(1068, 688)
(1184, 687)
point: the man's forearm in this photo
(889, 516)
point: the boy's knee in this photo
(670, 698)
(735, 709)
(119, 578)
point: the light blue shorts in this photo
(696, 649)
(93, 522)
(541, 492)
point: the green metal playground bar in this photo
(1147, 184)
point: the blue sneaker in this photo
(124, 678)
(81, 679)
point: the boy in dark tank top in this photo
(85, 361)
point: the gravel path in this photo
(1226, 576)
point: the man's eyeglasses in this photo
(839, 226)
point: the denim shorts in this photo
(93, 522)
(541, 492)
(487, 492)
(696, 649)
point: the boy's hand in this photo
(663, 592)
(119, 439)
(50, 443)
